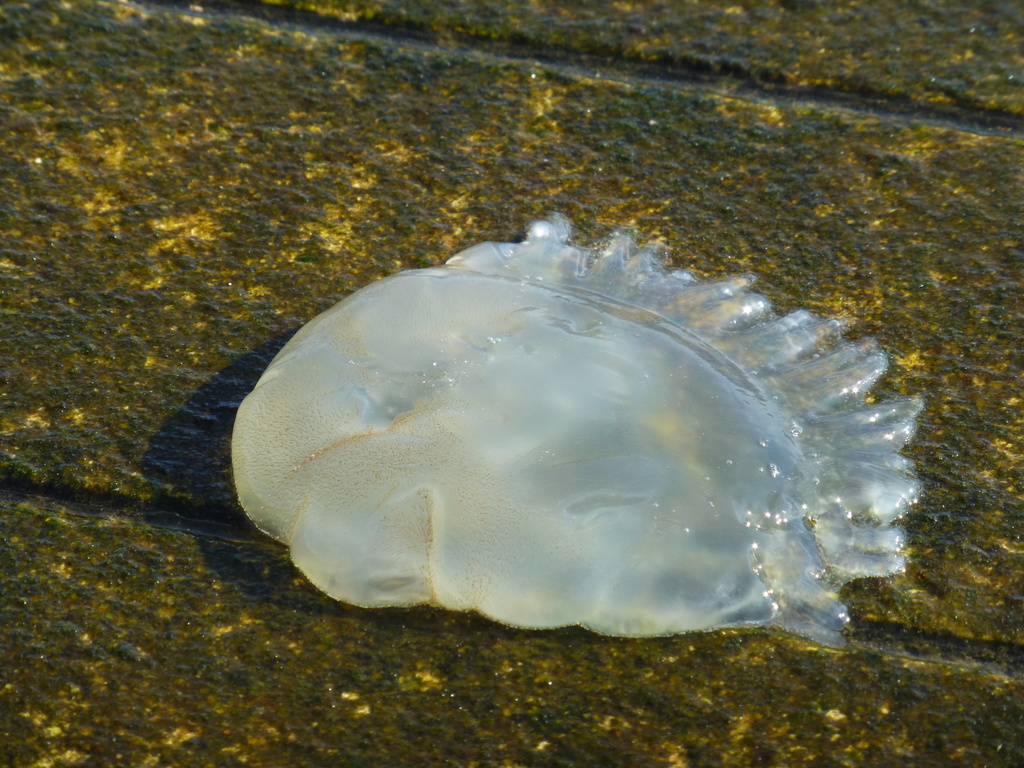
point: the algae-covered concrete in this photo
(179, 191)
(944, 56)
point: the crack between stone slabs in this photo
(715, 77)
(999, 657)
(111, 508)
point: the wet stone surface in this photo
(179, 192)
(942, 57)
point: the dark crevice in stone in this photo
(58, 501)
(993, 656)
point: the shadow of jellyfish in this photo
(189, 458)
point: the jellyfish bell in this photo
(555, 436)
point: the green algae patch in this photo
(150, 647)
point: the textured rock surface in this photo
(947, 57)
(180, 191)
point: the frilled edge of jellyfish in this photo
(854, 485)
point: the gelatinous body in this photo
(552, 436)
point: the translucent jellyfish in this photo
(555, 436)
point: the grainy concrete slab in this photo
(944, 56)
(179, 192)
